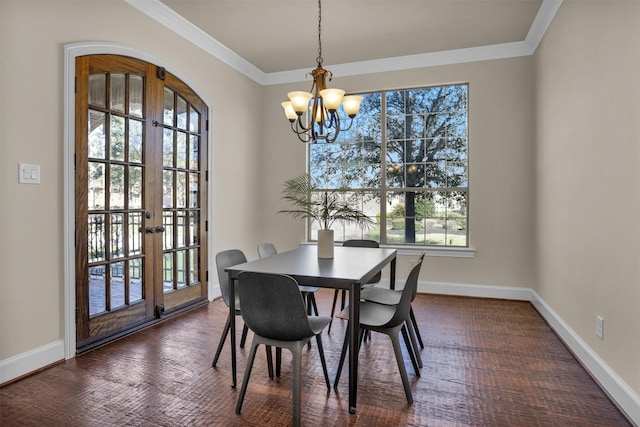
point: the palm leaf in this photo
(326, 209)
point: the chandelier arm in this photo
(335, 121)
(350, 123)
(300, 134)
(323, 133)
(300, 127)
(331, 137)
(304, 140)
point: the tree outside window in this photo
(405, 163)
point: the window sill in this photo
(431, 251)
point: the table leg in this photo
(232, 308)
(392, 274)
(354, 344)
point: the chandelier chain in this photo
(319, 58)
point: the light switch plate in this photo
(600, 327)
(28, 174)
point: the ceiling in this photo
(275, 37)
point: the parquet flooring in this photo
(486, 363)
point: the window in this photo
(404, 163)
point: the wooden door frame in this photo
(71, 51)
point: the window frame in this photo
(385, 190)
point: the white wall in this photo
(588, 176)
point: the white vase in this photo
(325, 243)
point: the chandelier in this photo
(322, 121)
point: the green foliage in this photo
(399, 223)
(457, 221)
(424, 209)
(326, 209)
(398, 210)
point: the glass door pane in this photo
(115, 193)
(181, 192)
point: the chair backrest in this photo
(364, 243)
(408, 295)
(226, 259)
(266, 249)
(415, 289)
(272, 306)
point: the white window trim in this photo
(432, 251)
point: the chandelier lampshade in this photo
(314, 116)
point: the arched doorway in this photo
(140, 196)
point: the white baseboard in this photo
(31, 361)
(214, 291)
(627, 399)
(478, 291)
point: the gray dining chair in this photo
(355, 243)
(392, 297)
(390, 320)
(226, 259)
(272, 306)
(267, 249)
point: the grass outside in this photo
(430, 237)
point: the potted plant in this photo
(326, 209)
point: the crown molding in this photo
(176, 23)
(169, 18)
(409, 62)
(546, 13)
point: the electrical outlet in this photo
(600, 327)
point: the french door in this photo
(140, 187)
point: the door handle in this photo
(159, 229)
(150, 230)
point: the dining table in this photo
(350, 268)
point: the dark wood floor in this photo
(486, 362)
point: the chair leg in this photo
(344, 300)
(307, 303)
(322, 360)
(414, 343)
(306, 297)
(415, 326)
(367, 336)
(243, 339)
(247, 374)
(269, 361)
(410, 349)
(278, 361)
(333, 310)
(225, 332)
(345, 345)
(297, 381)
(395, 340)
(312, 299)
